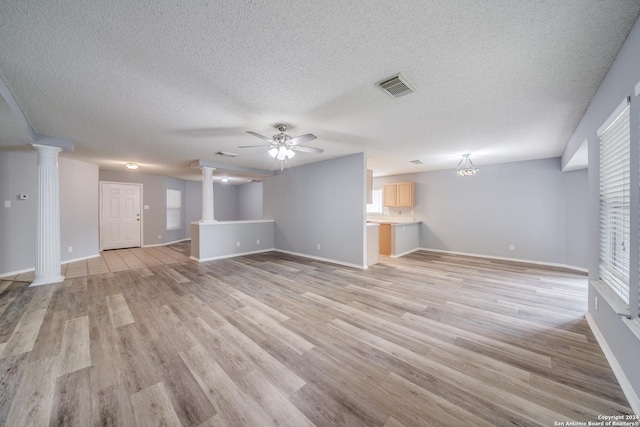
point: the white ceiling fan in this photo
(283, 147)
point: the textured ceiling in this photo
(164, 83)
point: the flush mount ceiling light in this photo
(282, 147)
(224, 179)
(466, 167)
(132, 165)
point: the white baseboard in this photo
(168, 243)
(405, 253)
(28, 270)
(625, 384)
(15, 273)
(230, 255)
(317, 258)
(79, 259)
(528, 261)
(333, 261)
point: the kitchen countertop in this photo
(393, 222)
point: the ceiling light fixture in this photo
(466, 167)
(224, 179)
(282, 147)
(132, 165)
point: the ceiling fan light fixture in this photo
(273, 152)
(290, 153)
(466, 167)
(282, 153)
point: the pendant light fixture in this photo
(466, 167)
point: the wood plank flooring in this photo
(149, 337)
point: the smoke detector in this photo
(396, 86)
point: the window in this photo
(615, 203)
(174, 209)
(376, 202)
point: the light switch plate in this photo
(7, 203)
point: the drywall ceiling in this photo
(164, 83)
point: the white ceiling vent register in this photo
(396, 86)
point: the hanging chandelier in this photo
(466, 167)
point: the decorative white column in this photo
(48, 226)
(207, 195)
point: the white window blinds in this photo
(615, 201)
(174, 209)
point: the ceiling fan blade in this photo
(302, 139)
(261, 136)
(307, 149)
(253, 146)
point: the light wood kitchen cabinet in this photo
(390, 195)
(400, 195)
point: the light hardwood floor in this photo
(148, 337)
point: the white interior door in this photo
(120, 217)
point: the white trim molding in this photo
(214, 258)
(317, 258)
(527, 261)
(625, 384)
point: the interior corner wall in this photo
(250, 201)
(78, 209)
(320, 203)
(620, 81)
(521, 203)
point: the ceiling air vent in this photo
(225, 153)
(396, 86)
(417, 162)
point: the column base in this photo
(47, 280)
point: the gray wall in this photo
(222, 240)
(250, 201)
(193, 205)
(320, 203)
(18, 174)
(521, 203)
(225, 206)
(78, 209)
(231, 202)
(620, 82)
(576, 248)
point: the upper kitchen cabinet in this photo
(400, 195)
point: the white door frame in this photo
(141, 209)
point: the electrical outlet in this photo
(7, 203)
(159, 236)
(70, 249)
(318, 246)
(238, 244)
(512, 247)
(258, 242)
(596, 303)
